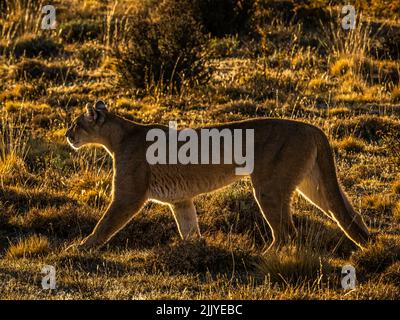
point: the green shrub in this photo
(165, 50)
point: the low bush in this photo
(165, 49)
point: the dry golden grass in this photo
(396, 210)
(339, 112)
(395, 95)
(51, 196)
(396, 187)
(295, 265)
(341, 67)
(29, 247)
(350, 144)
(377, 202)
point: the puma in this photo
(289, 156)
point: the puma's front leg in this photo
(129, 195)
(115, 218)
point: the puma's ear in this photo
(100, 105)
(91, 113)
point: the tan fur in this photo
(289, 156)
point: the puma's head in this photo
(89, 128)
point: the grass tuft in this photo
(350, 144)
(294, 265)
(379, 255)
(32, 246)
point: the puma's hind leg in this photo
(273, 189)
(186, 218)
(274, 203)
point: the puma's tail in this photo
(321, 188)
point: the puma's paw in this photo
(86, 244)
